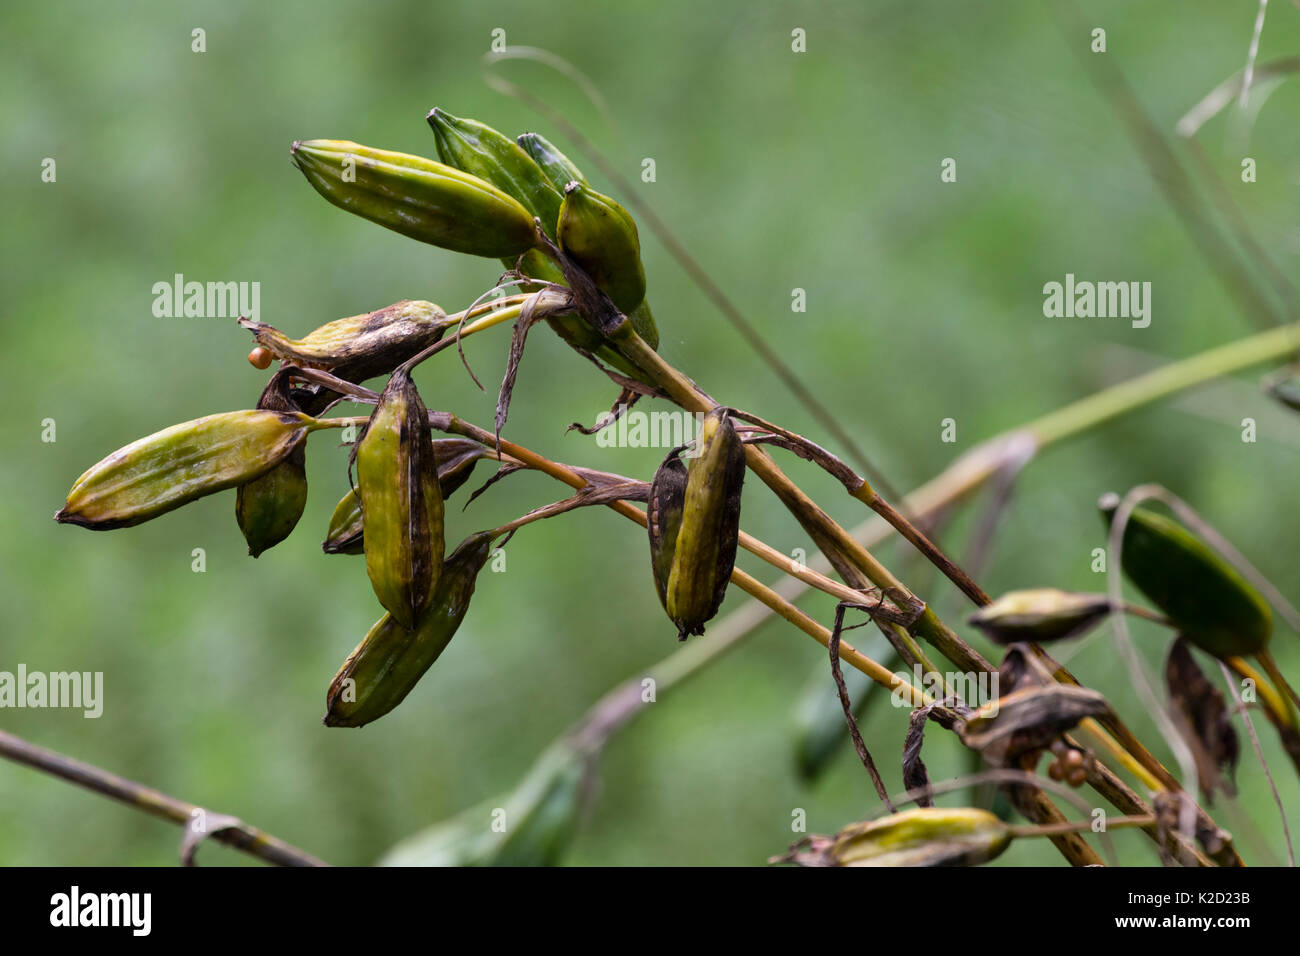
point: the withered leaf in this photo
(915, 776)
(1202, 717)
(1028, 719)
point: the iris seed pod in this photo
(1205, 597)
(600, 236)
(925, 836)
(401, 502)
(180, 464)
(391, 659)
(360, 346)
(267, 509)
(456, 459)
(417, 197)
(558, 169)
(559, 172)
(705, 550)
(1040, 614)
(481, 151)
(345, 534)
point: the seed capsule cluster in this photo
(482, 199)
(592, 228)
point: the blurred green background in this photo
(778, 170)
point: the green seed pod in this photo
(345, 534)
(541, 817)
(925, 836)
(401, 502)
(417, 197)
(481, 151)
(268, 508)
(599, 235)
(360, 346)
(391, 659)
(664, 520)
(1205, 597)
(179, 464)
(558, 169)
(705, 549)
(559, 172)
(1040, 614)
(456, 459)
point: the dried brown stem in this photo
(223, 829)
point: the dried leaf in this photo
(1028, 719)
(915, 776)
(1202, 717)
(507, 468)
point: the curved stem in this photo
(235, 833)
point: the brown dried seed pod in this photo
(1028, 719)
(360, 346)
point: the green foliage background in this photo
(817, 171)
